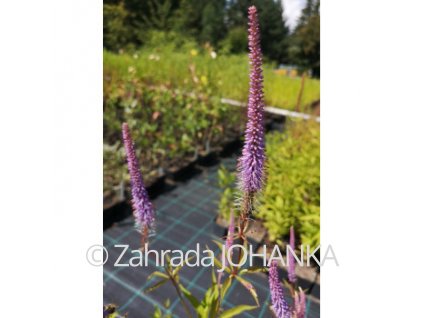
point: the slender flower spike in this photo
(291, 260)
(279, 304)
(300, 304)
(142, 207)
(251, 163)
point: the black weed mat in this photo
(185, 216)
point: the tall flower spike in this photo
(291, 260)
(251, 163)
(142, 208)
(279, 304)
(300, 304)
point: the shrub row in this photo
(169, 127)
(222, 76)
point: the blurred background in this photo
(177, 72)
(289, 37)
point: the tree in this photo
(212, 22)
(274, 32)
(188, 17)
(305, 44)
(159, 15)
(115, 30)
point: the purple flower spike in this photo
(252, 160)
(279, 304)
(142, 207)
(291, 260)
(300, 304)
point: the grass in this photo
(223, 76)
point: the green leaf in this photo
(236, 311)
(157, 313)
(225, 286)
(249, 287)
(214, 281)
(157, 274)
(167, 303)
(157, 285)
(191, 298)
(177, 269)
(208, 307)
(252, 270)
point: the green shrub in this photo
(292, 192)
(236, 41)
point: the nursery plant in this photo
(171, 127)
(292, 192)
(251, 182)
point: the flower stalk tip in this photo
(142, 208)
(292, 277)
(279, 303)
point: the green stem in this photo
(178, 292)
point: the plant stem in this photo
(246, 209)
(144, 238)
(178, 292)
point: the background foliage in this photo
(169, 127)
(220, 23)
(181, 64)
(292, 192)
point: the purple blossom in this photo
(279, 304)
(300, 304)
(291, 260)
(142, 207)
(251, 163)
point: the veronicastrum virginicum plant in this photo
(250, 179)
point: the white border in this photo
(372, 158)
(51, 157)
